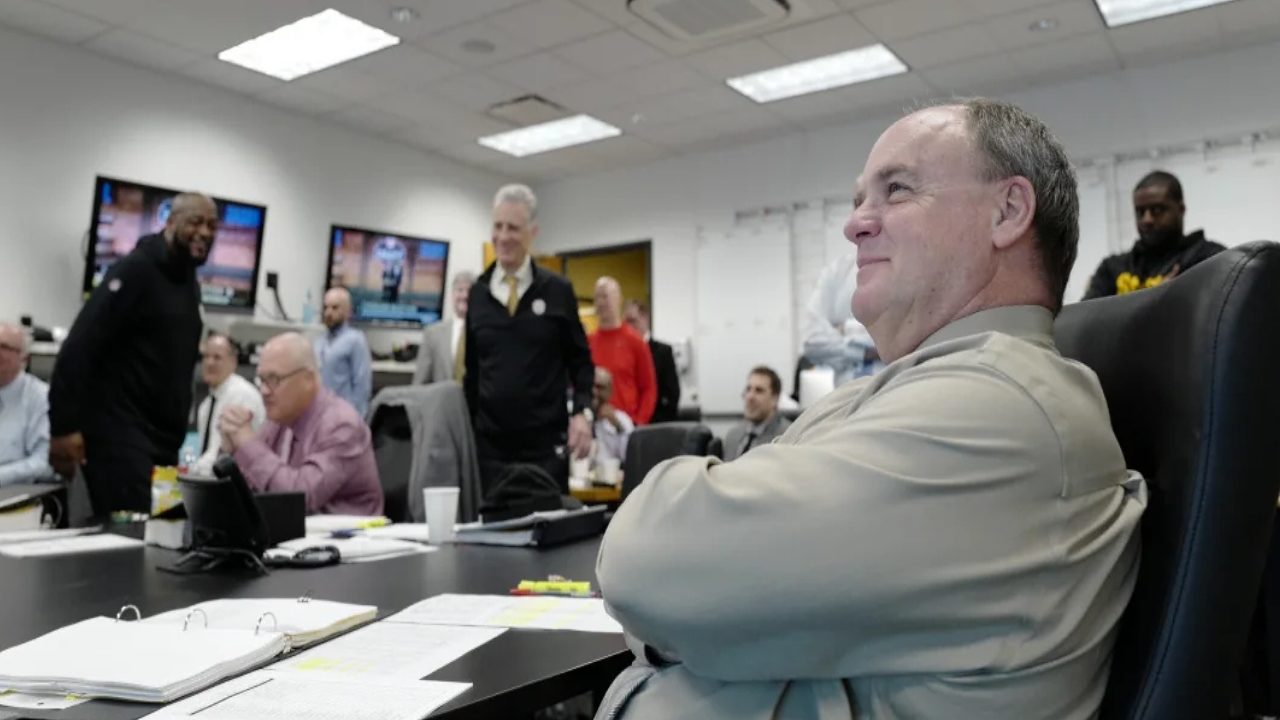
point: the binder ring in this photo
(306, 597)
(275, 624)
(137, 614)
(193, 611)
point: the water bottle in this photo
(309, 309)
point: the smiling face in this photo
(192, 226)
(513, 234)
(922, 224)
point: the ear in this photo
(1016, 211)
(533, 232)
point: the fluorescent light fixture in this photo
(824, 73)
(552, 135)
(310, 44)
(1123, 12)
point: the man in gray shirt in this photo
(761, 421)
(24, 414)
(346, 366)
(953, 537)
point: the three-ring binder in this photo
(137, 614)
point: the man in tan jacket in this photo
(954, 537)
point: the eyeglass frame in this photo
(274, 383)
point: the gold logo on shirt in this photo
(1127, 282)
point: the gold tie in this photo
(513, 298)
(460, 357)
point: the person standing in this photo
(618, 348)
(528, 368)
(664, 364)
(121, 388)
(343, 353)
(442, 352)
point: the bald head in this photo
(13, 352)
(287, 377)
(292, 347)
(337, 307)
(191, 227)
(608, 302)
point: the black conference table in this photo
(512, 676)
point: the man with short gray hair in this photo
(954, 537)
(525, 351)
(443, 351)
(24, 413)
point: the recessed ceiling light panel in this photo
(549, 136)
(1124, 12)
(823, 73)
(308, 45)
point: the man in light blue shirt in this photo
(24, 414)
(343, 354)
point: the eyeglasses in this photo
(10, 348)
(271, 382)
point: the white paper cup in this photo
(608, 469)
(579, 468)
(442, 513)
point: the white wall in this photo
(1138, 108)
(67, 115)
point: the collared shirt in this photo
(235, 390)
(459, 326)
(611, 442)
(346, 366)
(747, 435)
(326, 453)
(24, 431)
(954, 537)
(524, 279)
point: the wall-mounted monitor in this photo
(394, 279)
(124, 211)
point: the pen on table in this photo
(553, 593)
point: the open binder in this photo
(303, 620)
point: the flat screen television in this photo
(394, 279)
(124, 211)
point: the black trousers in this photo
(544, 447)
(117, 476)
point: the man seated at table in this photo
(612, 426)
(24, 414)
(953, 537)
(761, 421)
(313, 441)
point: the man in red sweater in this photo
(617, 348)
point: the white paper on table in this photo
(354, 549)
(31, 701)
(20, 536)
(414, 532)
(393, 652)
(543, 612)
(69, 545)
(265, 695)
(325, 524)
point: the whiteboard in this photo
(744, 308)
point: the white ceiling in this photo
(594, 56)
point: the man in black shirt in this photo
(1162, 251)
(121, 388)
(664, 364)
(526, 351)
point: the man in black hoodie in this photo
(121, 388)
(1162, 251)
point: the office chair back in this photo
(1189, 369)
(393, 451)
(651, 444)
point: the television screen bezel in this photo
(328, 274)
(90, 253)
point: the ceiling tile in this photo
(971, 77)
(610, 52)
(905, 18)
(1245, 21)
(211, 27)
(1073, 17)
(370, 119)
(707, 127)
(857, 101)
(596, 96)
(1064, 60)
(343, 82)
(550, 22)
(946, 46)
(445, 125)
(823, 37)
(114, 12)
(469, 153)
(475, 90)
(433, 15)
(993, 8)
(740, 58)
(48, 20)
(611, 10)
(592, 97)
(231, 77)
(449, 44)
(856, 4)
(678, 106)
(405, 65)
(296, 97)
(142, 50)
(1165, 38)
(539, 72)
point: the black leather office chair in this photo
(1189, 369)
(393, 452)
(651, 444)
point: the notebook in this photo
(139, 661)
(539, 529)
(302, 620)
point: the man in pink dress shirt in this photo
(313, 441)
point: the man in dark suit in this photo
(664, 362)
